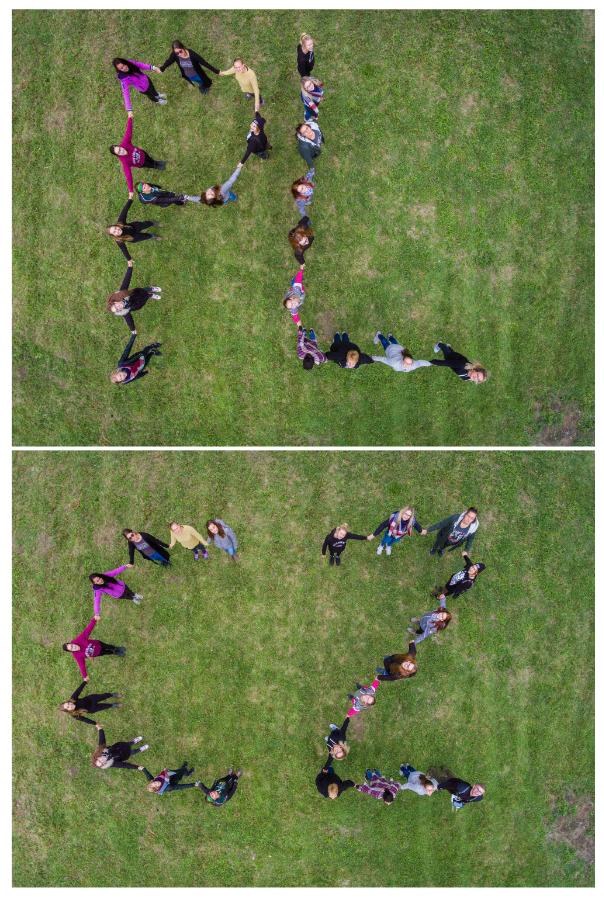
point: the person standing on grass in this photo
(430, 623)
(115, 756)
(307, 349)
(124, 232)
(257, 141)
(295, 296)
(131, 73)
(301, 237)
(418, 782)
(155, 194)
(455, 531)
(107, 583)
(303, 190)
(83, 647)
(401, 665)
(169, 780)
(310, 139)
(336, 740)
(376, 785)
(363, 698)
(461, 581)
(461, 365)
(222, 536)
(311, 94)
(306, 54)
(346, 354)
(247, 81)
(462, 792)
(130, 368)
(221, 194)
(223, 788)
(77, 705)
(125, 301)
(400, 524)
(149, 547)
(132, 157)
(329, 784)
(189, 539)
(397, 357)
(336, 540)
(191, 66)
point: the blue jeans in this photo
(407, 770)
(196, 80)
(389, 541)
(385, 342)
(309, 114)
(158, 558)
(312, 335)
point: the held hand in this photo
(130, 195)
(130, 114)
(98, 726)
(129, 565)
(464, 553)
(157, 69)
(370, 537)
(87, 678)
(423, 532)
(140, 768)
(97, 618)
(130, 263)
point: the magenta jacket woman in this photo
(112, 587)
(137, 79)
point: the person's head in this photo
(115, 231)
(478, 790)
(100, 758)
(407, 668)
(154, 786)
(255, 127)
(352, 358)
(306, 42)
(470, 515)
(239, 65)
(292, 302)
(117, 150)
(115, 304)
(475, 570)
(427, 785)
(477, 372)
(97, 578)
(308, 362)
(442, 618)
(214, 795)
(117, 376)
(175, 527)
(305, 131)
(68, 706)
(367, 699)
(179, 49)
(407, 358)
(124, 66)
(131, 535)
(332, 791)
(340, 531)
(301, 188)
(340, 750)
(388, 797)
(213, 528)
(143, 187)
(405, 514)
(212, 197)
(71, 647)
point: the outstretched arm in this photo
(126, 279)
(124, 357)
(123, 216)
(78, 691)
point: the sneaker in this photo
(232, 196)
(331, 560)
(196, 555)
(162, 96)
(337, 560)
(437, 346)
(193, 198)
(432, 551)
(143, 748)
(376, 337)
(388, 550)
(137, 598)
(155, 297)
(162, 101)
(378, 552)
(155, 288)
(136, 740)
(248, 96)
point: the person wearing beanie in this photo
(462, 581)
(257, 141)
(155, 194)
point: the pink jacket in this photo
(112, 590)
(136, 156)
(140, 82)
(88, 648)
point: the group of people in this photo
(83, 648)
(133, 75)
(454, 532)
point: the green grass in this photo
(247, 664)
(454, 201)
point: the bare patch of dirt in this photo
(424, 211)
(521, 678)
(560, 423)
(487, 518)
(55, 120)
(503, 276)
(326, 323)
(469, 104)
(105, 536)
(574, 824)
(589, 28)
(44, 544)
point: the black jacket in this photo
(327, 776)
(198, 63)
(337, 353)
(154, 542)
(306, 61)
(338, 545)
(256, 143)
(460, 789)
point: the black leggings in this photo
(178, 775)
(123, 750)
(151, 92)
(338, 734)
(128, 594)
(151, 163)
(109, 649)
(94, 702)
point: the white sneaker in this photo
(437, 346)
(378, 552)
(137, 739)
(155, 289)
(155, 296)
(162, 96)
(162, 101)
(376, 339)
(137, 598)
(143, 748)
(388, 551)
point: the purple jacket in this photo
(140, 82)
(112, 590)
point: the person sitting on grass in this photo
(307, 349)
(77, 705)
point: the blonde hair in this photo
(477, 367)
(344, 525)
(332, 791)
(305, 37)
(344, 747)
(353, 355)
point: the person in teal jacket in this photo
(455, 531)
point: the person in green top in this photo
(455, 531)
(247, 81)
(189, 538)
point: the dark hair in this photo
(65, 648)
(217, 199)
(218, 526)
(112, 148)
(424, 780)
(440, 626)
(301, 125)
(298, 182)
(107, 579)
(132, 69)
(308, 362)
(472, 509)
(126, 532)
(387, 796)
(176, 45)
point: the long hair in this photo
(116, 296)
(124, 236)
(299, 232)
(440, 626)
(411, 519)
(132, 69)
(176, 45)
(217, 199)
(298, 183)
(221, 531)
(107, 579)
(476, 367)
(424, 780)
(101, 751)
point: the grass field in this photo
(247, 664)
(454, 201)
